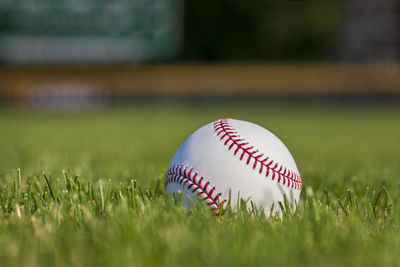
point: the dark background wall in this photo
(262, 30)
(40, 32)
(371, 31)
(279, 30)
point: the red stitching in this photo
(229, 134)
(183, 175)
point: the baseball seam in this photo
(230, 137)
(185, 176)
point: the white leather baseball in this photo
(234, 159)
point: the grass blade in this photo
(101, 196)
(49, 185)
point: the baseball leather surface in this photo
(232, 159)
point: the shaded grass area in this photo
(109, 207)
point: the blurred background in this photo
(73, 54)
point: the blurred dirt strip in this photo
(200, 80)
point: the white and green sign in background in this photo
(89, 31)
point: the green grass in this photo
(109, 207)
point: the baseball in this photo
(228, 160)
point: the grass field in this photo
(109, 207)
